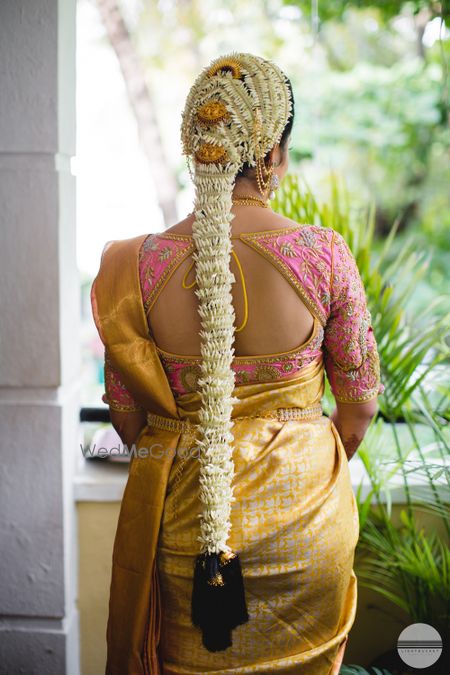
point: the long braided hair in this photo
(236, 111)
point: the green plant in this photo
(409, 438)
(359, 670)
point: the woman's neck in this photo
(245, 187)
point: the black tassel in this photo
(218, 598)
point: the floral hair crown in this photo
(235, 112)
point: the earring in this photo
(274, 185)
(263, 177)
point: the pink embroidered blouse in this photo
(320, 266)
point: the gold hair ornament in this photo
(225, 64)
(213, 112)
(209, 154)
(263, 174)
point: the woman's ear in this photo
(284, 150)
(276, 155)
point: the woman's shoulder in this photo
(267, 222)
(309, 233)
(182, 228)
(116, 250)
(160, 248)
(304, 224)
(304, 232)
(327, 236)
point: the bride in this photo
(236, 555)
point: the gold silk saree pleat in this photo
(134, 606)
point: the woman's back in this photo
(278, 320)
(297, 295)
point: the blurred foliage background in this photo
(371, 88)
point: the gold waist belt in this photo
(281, 414)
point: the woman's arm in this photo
(127, 416)
(352, 420)
(350, 350)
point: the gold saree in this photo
(294, 518)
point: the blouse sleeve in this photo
(350, 351)
(116, 394)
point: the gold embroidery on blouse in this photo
(121, 408)
(165, 254)
(149, 275)
(254, 242)
(264, 373)
(281, 230)
(110, 383)
(149, 244)
(332, 264)
(189, 374)
(351, 394)
(177, 237)
(287, 249)
(189, 377)
(242, 376)
(167, 272)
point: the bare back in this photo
(277, 319)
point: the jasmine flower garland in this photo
(235, 113)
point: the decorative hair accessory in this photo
(212, 112)
(235, 112)
(225, 64)
(210, 154)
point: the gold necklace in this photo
(250, 200)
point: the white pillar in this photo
(39, 339)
